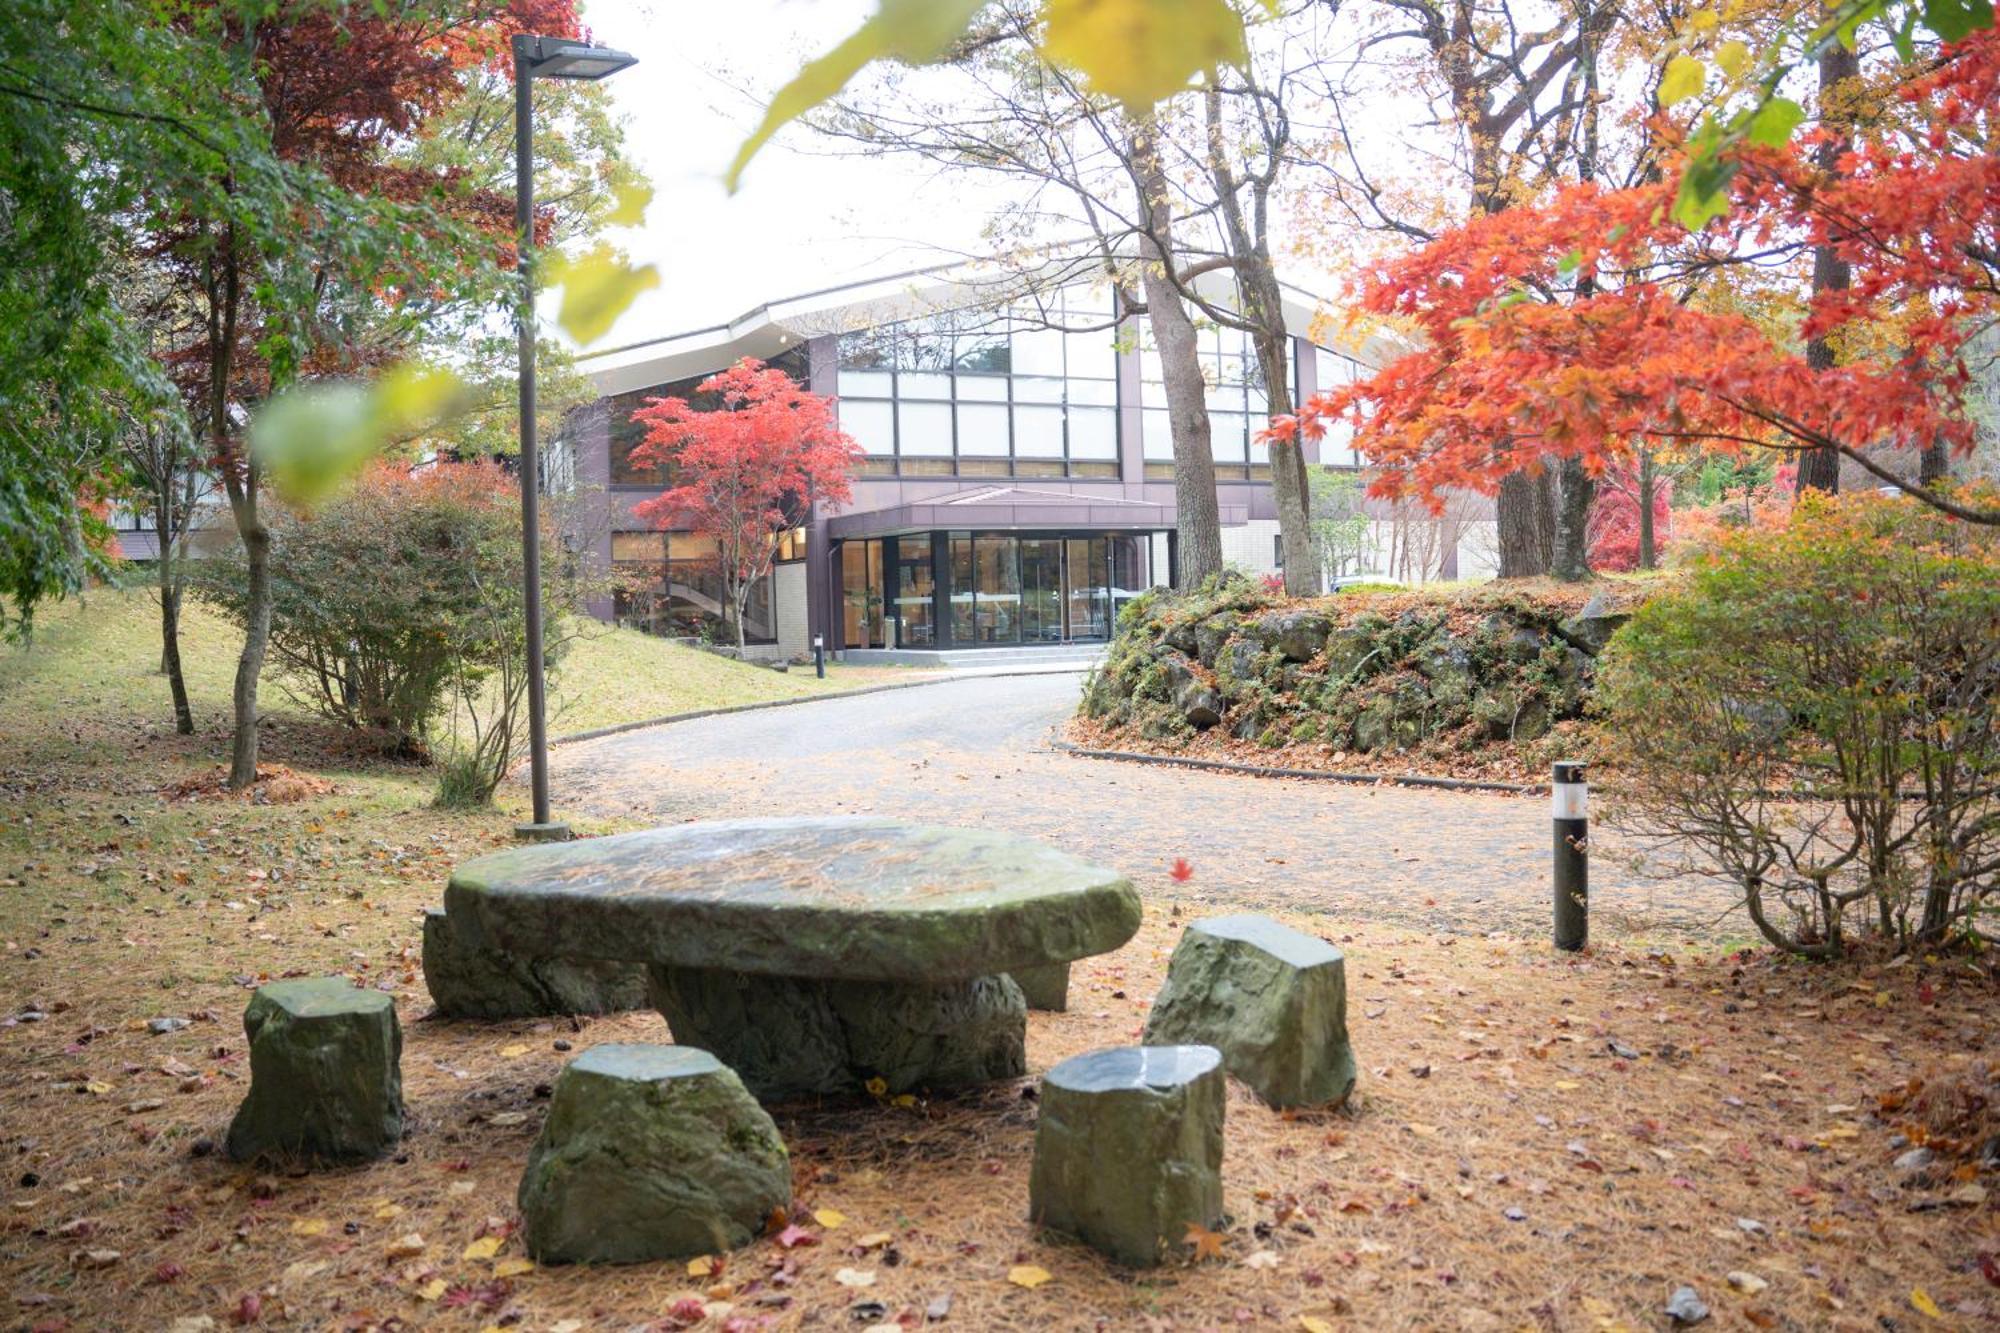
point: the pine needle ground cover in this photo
(1535, 1142)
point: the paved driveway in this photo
(975, 751)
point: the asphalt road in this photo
(976, 751)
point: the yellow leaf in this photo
(483, 1248)
(1921, 1301)
(1028, 1275)
(1314, 1324)
(629, 206)
(596, 289)
(1141, 51)
(1567, 1085)
(513, 1267)
(1701, 20)
(309, 1226)
(829, 1217)
(389, 1212)
(510, 1052)
(914, 31)
(877, 1087)
(97, 1089)
(873, 1239)
(702, 1267)
(432, 1289)
(1683, 79)
(1734, 58)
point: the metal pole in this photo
(531, 519)
(819, 656)
(1572, 856)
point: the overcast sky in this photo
(801, 221)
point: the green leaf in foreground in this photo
(313, 437)
(914, 31)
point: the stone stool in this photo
(1128, 1152)
(470, 979)
(325, 1074)
(1271, 999)
(650, 1152)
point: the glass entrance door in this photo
(1087, 587)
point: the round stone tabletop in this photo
(837, 899)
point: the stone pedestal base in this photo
(789, 1038)
(469, 980)
(1046, 987)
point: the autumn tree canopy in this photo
(1583, 325)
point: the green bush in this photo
(1811, 717)
(396, 612)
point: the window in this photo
(791, 546)
(670, 584)
(624, 434)
(1238, 406)
(986, 393)
(1331, 370)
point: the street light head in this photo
(559, 58)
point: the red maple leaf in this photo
(1182, 871)
(794, 1236)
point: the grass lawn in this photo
(1537, 1141)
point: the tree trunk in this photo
(1262, 306)
(256, 635)
(1934, 465)
(1197, 510)
(168, 521)
(170, 642)
(1523, 514)
(1819, 469)
(1649, 557)
(1575, 490)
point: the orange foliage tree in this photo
(1576, 327)
(748, 461)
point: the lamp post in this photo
(544, 58)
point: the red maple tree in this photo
(747, 463)
(1581, 325)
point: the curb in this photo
(1314, 774)
(616, 728)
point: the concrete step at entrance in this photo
(1075, 656)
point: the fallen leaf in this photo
(309, 1226)
(483, 1248)
(1747, 1283)
(510, 1052)
(432, 1289)
(513, 1267)
(1921, 1302)
(829, 1217)
(406, 1247)
(1028, 1275)
(855, 1277)
(874, 1239)
(1260, 1259)
(1207, 1244)
(702, 1267)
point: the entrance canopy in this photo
(1013, 509)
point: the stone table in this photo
(813, 955)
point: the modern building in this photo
(1018, 485)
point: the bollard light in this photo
(1571, 810)
(819, 655)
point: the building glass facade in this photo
(1238, 406)
(977, 393)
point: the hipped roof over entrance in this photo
(1013, 509)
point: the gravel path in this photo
(976, 751)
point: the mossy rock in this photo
(326, 1080)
